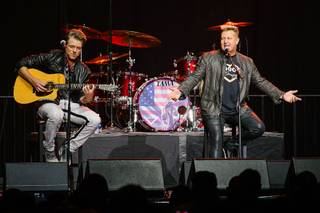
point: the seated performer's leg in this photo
(89, 120)
(54, 118)
(252, 126)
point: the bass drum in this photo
(156, 111)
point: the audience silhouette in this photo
(243, 193)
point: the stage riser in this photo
(173, 149)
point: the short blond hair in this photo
(77, 34)
(230, 28)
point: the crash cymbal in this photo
(131, 38)
(104, 59)
(228, 24)
(88, 31)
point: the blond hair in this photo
(230, 28)
(77, 34)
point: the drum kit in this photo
(143, 103)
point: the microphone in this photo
(63, 43)
(226, 51)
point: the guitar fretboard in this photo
(108, 87)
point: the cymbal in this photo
(104, 59)
(131, 38)
(88, 31)
(228, 24)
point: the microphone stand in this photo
(239, 119)
(239, 77)
(68, 135)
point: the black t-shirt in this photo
(230, 87)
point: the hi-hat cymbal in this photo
(104, 59)
(88, 31)
(228, 24)
(132, 39)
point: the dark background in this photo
(283, 41)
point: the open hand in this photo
(175, 93)
(290, 97)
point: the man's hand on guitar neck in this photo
(88, 91)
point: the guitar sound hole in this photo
(50, 86)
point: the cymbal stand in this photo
(130, 61)
(112, 128)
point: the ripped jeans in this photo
(56, 114)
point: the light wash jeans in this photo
(56, 114)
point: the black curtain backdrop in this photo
(282, 41)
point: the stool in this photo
(227, 153)
(41, 123)
(242, 149)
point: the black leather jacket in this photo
(210, 69)
(55, 62)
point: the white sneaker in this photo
(50, 156)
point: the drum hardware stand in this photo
(112, 127)
(135, 118)
(175, 65)
(189, 58)
(130, 61)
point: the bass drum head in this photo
(156, 111)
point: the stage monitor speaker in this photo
(120, 172)
(307, 164)
(278, 171)
(36, 176)
(225, 169)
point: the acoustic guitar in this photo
(25, 93)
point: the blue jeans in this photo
(251, 127)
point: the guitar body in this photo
(24, 93)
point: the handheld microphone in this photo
(226, 52)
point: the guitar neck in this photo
(76, 86)
(105, 87)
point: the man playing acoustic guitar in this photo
(59, 63)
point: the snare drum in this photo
(156, 111)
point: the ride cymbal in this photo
(132, 39)
(104, 59)
(230, 23)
